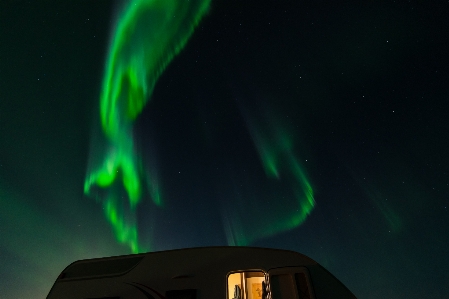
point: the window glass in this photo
(290, 282)
(235, 286)
(282, 286)
(302, 286)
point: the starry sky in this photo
(319, 127)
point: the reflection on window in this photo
(290, 286)
(246, 285)
(282, 286)
(301, 284)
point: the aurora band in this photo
(289, 197)
(146, 37)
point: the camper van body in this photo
(209, 272)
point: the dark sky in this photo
(358, 90)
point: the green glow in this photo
(154, 189)
(148, 34)
(125, 232)
(383, 205)
(276, 148)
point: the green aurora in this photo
(286, 209)
(148, 34)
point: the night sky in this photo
(315, 126)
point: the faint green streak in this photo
(148, 34)
(393, 220)
(276, 147)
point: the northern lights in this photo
(148, 34)
(318, 127)
(277, 151)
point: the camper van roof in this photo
(187, 262)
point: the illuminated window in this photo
(246, 285)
